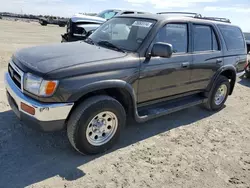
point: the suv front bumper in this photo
(47, 116)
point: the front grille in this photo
(16, 74)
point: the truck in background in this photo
(80, 26)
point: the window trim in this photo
(188, 38)
(216, 36)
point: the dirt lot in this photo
(192, 148)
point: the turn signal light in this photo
(28, 108)
(50, 88)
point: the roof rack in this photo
(216, 19)
(199, 16)
(195, 15)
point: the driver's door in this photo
(163, 77)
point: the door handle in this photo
(185, 64)
(218, 61)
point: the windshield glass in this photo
(125, 33)
(107, 14)
(247, 36)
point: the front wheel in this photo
(95, 125)
(218, 95)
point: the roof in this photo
(163, 17)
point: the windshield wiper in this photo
(110, 45)
(89, 41)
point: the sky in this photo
(238, 11)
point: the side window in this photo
(204, 38)
(128, 12)
(232, 36)
(175, 34)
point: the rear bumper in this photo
(47, 116)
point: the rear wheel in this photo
(95, 125)
(218, 95)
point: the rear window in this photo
(233, 37)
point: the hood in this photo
(47, 58)
(85, 18)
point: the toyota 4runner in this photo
(156, 65)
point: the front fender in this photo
(100, 85)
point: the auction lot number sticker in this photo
(142, 24)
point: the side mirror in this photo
(162, 50)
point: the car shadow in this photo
(28, 156)
(245, 82)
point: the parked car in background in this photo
(80, 25)
(53, 21)
(156, 66)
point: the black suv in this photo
(153, 66)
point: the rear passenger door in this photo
(207, 55)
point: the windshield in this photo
(107, 14)
(125, 33)
(247, 36)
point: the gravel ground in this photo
(191, 148)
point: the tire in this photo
(80, 124)
(215, 105)
(43, 23)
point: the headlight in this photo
(38, 86)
